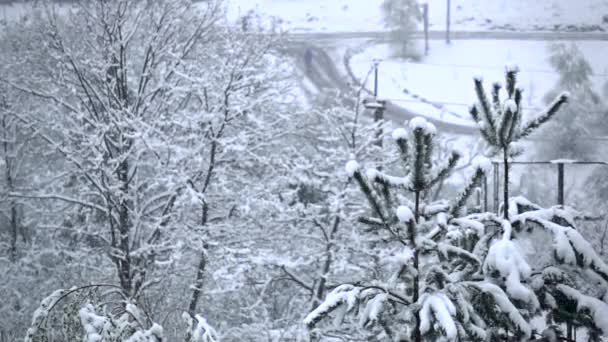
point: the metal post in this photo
(376, 78)
(560, 183)
(447, 24)
(425, 13)
(484, 186)
(495, 186)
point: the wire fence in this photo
(546, 183)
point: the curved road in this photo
(324, 74)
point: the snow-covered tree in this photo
(581, 118)
(569, 280)
(477, 277)
(102, 312)
(434, 255)
(502, 122)
(160, 117)
(401, 18)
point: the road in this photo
(495, 35)
(322, 71)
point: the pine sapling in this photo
(501, 123)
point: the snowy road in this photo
(322, 71)
(495, 35)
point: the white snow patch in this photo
(404, 214)
(482, 163)
(351, 167)
(371, 173)
(512, 67)
(399, 133)
(505, 257)
(596, 307)
(418, 123)
(510, 105)
(563, 161)
(439, 308)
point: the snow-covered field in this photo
(365, 15)
(446, 75)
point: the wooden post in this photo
(484, 187)
(447, 23)
(425, 15)
(495, 186)
(560, 184)
(378, 107)
(376, 78)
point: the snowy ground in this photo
(359, 15)
(445, 77)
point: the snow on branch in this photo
(154, 334)
(505, 258)
(569, 245)
(465, 194)
(95, 327)
(437, 310)
(420, 123)
(446, 169)
(372, 310)
(346, 294)
(404, 214)
(544, 116)
(351, 167)
(388, 180)
(504, 304)
(199, 330)
(487, 117)
(597, 309)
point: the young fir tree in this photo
(470, 278)
(501, 122)
(580, 118)
(569, 279)
(435, 287)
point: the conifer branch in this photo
(418, 171)
(462, 198)
(506, 123)
(371, 196)
(511, 78)
(496, 95)
(428, 153)
(486, 109)
(474, 111)
(544, 116)
(403, 149)
(446, 170)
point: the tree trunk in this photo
(506, 184)
(8, 166)
(124, 263)
(417, 336)
(198, 283)
(320, 293)
(200, 270)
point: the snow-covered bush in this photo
(80, 314)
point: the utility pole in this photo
(425, 16)
(377, 106)
(560, 184)
(447, 23)
(376, 63)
